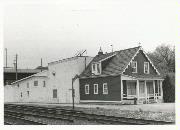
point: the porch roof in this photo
(149, 76)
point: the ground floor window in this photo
(28, 93)
(54, 93)
(87, 89)
(131, 88)
(95, 88)
(150, 89)
(105, 88)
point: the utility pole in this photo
(6, 56)
(73, 92)
(41, 65)
(16, 67)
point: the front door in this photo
(142, 93)
(55, 96)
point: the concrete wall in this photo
(62, 81)
(59, 76)
(36, 93)
(9, 93)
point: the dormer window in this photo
(134, 66)
(96, 68)
(146, 67)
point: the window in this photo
(146, 67)
(134, 66)
(21, 94)
(28, 93)
(35, 83)
(44, 83)
(105, 88)
(87, 89)
(18, 85)
(95, 88)
(96, 68)
(150, 89)
(54, 93)
(131, 88)
(27, 85)
(54, 73)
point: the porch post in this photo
(161, 89)
(137, 89)
(145, 91)
(121, 89)
(155, 98)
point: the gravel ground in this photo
(163, 111)
(163, 116)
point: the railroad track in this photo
(69, 115)
(14, 118)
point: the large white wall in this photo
(62, 81)
(64, 70)
(36, 93)
(9, 93)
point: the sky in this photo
(58, 30)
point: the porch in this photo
(144, 90)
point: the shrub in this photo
(169, 88)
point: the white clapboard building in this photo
(50, 86)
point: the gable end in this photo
(145, 56)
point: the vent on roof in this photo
(100, 52)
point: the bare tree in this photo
(164, 58)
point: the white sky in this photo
(57, 30)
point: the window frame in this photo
(104, 88)
(27, 84)
(55, 96)
(129, 87)
(134, 67)
(97, 70)
(85, 89)
(35, 81)
(147, 66)
(28, 93)
(95, 89)
(44, 83)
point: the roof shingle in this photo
(119, 60)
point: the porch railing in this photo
(155, 96)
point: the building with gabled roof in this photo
(121, 76)
(50, 86)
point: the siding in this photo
(114, 88)
(140, 58)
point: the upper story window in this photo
(134, 66)
(146, 67)
(87, 89)
(96, 68)
(105, 88)
(27, 85)
(95, 88)
(44, 83)
(36, 83)
(54, 73)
